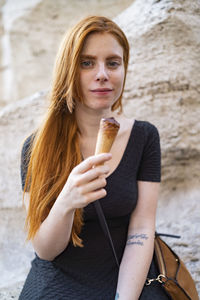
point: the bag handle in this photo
(105, 228)
(168, 235)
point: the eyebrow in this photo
(85, 56)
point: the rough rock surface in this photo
(1, 52)
(165, 46)
(162, 87)
(33, 30)
(16, 122)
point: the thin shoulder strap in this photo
(105, 228)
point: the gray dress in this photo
(90, 273)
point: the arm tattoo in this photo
(136, 239)
(117, 296)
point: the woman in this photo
(73, 259)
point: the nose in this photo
(102, 73)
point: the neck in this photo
(88, 120)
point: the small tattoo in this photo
(117, 296)
(138, 236)
(135, 243)
(136, 239)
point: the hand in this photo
(86, 182)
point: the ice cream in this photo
(107, 133)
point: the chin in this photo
(103, 107)
(100, 105)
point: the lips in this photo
(101, 90)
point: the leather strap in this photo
(168, 235)
(105, 228)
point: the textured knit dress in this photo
(91, 273)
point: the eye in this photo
(113, 64)
(87, 64)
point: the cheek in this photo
(119, 79)
(83, 82)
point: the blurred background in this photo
(163, 87)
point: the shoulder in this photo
(126, 124)
(142, 130)
(146, 126)
(28, 140)
(148, 139)
(146, 129)
(25, 157)
(27, 143)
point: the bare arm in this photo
(140, 242)
(85, 184)
(54, 233)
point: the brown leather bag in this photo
(174, 276)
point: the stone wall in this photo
(2, 67)
(162, 87)
(33, 30)
(16, 122)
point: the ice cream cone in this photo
(107, 133)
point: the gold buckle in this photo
(159, 279)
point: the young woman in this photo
(61, 178)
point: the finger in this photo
(93, 196)
(94, 185)
(92, 174)
(91, 161)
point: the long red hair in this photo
(55, 148)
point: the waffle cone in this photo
(107, 133)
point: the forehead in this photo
(101, 43)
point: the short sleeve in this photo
(25, 158)
(150, 165)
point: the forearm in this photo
(54, 233)
(135, 264)
(84, 185)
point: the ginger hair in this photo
(55, 148)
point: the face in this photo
(101, 71)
